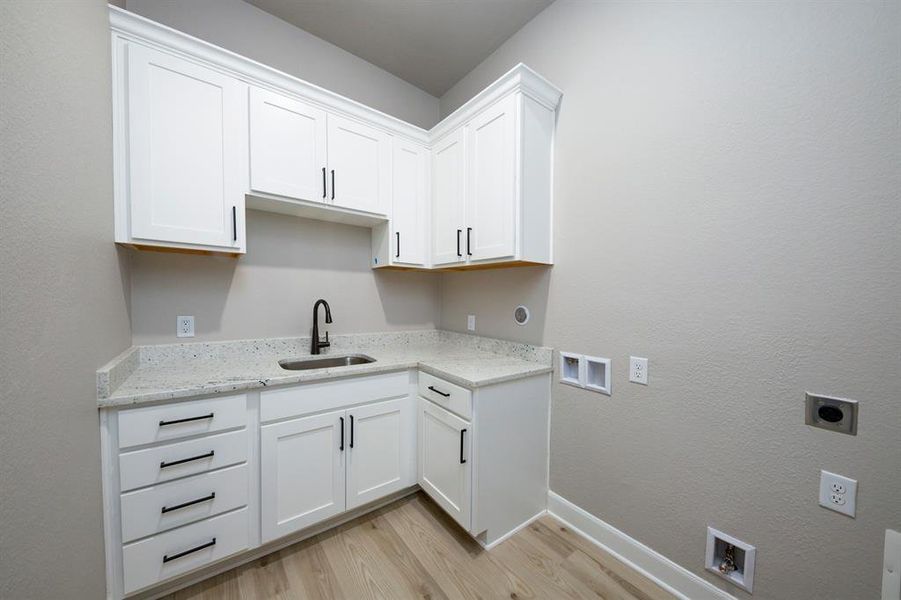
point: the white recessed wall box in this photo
(571, 369)
(587, 372)
(730, 558)
(597, 374)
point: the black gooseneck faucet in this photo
(317, 343)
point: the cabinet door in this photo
(448, 184)
(410, 203)
(186, 146)
(491, 194)
(445, 472)
(287, 146)
(380, 455)
(359, 162)
(301, 473)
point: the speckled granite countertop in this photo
(164, 372)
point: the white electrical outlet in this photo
(184, 326)
(471, 322)
(638, 370)
(838, 493)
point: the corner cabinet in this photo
(200, 134)
(183, 147)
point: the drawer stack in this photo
(183, 478)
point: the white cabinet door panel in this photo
(491, 195)
(448, 203)
(380, 457)
(359, 162)
(287, 146)
(409, 212)
(302, 473)
(186, 145)
(445, 472)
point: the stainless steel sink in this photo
(305, 364)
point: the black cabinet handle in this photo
(351, 431)
(165, 464)
(333, 184)
(189, 503)
(439, 392)
(468, 235)
(397, 255)
(462, 460)
(189, 419)
(459, 231)
(234, 223)
(323, 182)
(341, 446)
(167, 558)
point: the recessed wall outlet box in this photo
(838, 493)
(638, 370)
(597, 374)
(571, 369)
(470, 322)
(830, 413)
(891, 569)
(730, 558)
(184, 326)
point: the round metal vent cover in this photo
(521, 315)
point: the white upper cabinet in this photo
(186, 145)
(197, 128)
(491, 191)
(448, 185)
(359, 165)
(409, 210)
(287, 146)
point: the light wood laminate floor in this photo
(411, 549)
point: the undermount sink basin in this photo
(305, 364)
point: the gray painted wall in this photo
(726, 188)
(270, 292)
(251, 32)
(63, 308)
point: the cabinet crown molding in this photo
(521, 78)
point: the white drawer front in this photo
(330, 395)
(156, 559)
(182, 419)
(446, 395)
(177, 503)
(162, 463)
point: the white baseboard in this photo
(677, 580)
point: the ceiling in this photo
(429, 43)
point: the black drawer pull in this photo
(189, 419)
(234, 223)
(468, 236)
(341, 447)
(439, 392)
(165, 464)
(462, 460)
(351, 431)
(459, 231)
(333, 184)
(188, 503)
(398, 246)
(167, 558)
(323, 182)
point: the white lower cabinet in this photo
(301, 473)
(188, 484)
(381, 455)
(181, 550)
(445, 471)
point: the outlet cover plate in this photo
(184, 326)
(638, 370)
(838, 493)
(830, 413)
(470, 322)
